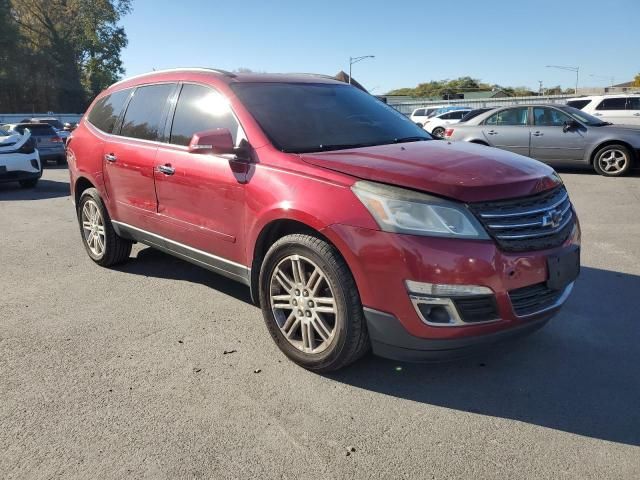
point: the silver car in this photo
(555, 134)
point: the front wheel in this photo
(311, 305)
(613, 160)
(102, 243)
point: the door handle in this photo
(597, 114)
(166, 169)
(110, 157)
(537, 134)
(636, 114)
(492, 132)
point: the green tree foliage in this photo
(63, 52)
(459, 85)
(636, 81)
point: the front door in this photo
(130, 153)
(549, 140)
(508, 129)
(201, 196)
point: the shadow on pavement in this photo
(578, 374)
(45, 189)
(154, 263)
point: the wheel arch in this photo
(81, 184)
(272, 232)
(601, 145)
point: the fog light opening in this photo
(435, 313)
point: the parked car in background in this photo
(420, 115)
(57, 125)
(554, 134)
(19, 159)
(49, 144)
(352, 227)
(474, 113)
(436, 125)
(623, 109)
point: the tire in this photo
(613, 160)
(332, 340)
(29, 183)
(438, 132)
(91, 210)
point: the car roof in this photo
(612, 95)
(176, 74)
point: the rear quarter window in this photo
(579, 104)
(106, 111)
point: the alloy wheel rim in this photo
(613, 161)
(303, 304)
(93, 228)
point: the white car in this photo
(19, 159)
(623, 109)
(437, 125)
(420, 115)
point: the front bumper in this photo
(381, 262)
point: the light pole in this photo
(570, 69)
(353, 60)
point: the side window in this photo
(512, 116)
(633, 103)
(106, 111)
(446, 116)
(419, 112)
(201, 108)
(579, 104)
(549, 117)
(458, 115)
(617, 103)
(144, 114)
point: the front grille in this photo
(537, 222)
(533, 299)
(476, 308)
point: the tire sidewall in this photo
(92, 194)
(439, 130)
(273, 258)
(602, 151)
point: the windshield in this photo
(585, 118)
(309, 117)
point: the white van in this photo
(623, 109)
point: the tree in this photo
(636, 81)
(69, 50)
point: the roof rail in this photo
(197, 69)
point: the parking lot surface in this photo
(123, 373)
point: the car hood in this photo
(461, 171)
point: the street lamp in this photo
(571, 69)
(353, 60)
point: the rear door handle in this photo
(492, 132)
(537, 134)
(166, 169)
(597, 114)
(636, 114)
(110, 157)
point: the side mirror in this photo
(570, 125)
(218, 141)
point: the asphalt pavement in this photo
(122, 373)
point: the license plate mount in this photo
(563, 268)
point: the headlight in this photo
(405, 211)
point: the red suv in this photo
(352, 226)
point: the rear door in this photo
(633, 110)
(549, 141)
(129, 155)
(612, 109)
(201, 196)
(509, 129)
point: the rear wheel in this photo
(438, 132)
(613, 160)
(102, 243)
(311, 305)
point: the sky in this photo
(503, 42)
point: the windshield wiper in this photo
(410, 139)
